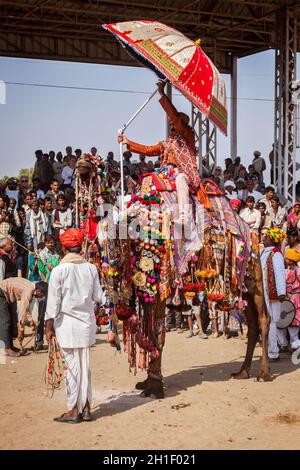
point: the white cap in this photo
(228, 184)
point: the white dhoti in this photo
(78, 377)
(274, 309)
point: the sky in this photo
(51, 118)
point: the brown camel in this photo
(258, 322)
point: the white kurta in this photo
(252, 217)
(273, 306)
(73, 290)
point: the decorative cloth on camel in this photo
(214, 260)
(164, 179)
(184, 247)
(211, 188)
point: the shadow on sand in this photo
(177, 383)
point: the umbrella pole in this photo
(77, 202)
(122, 176)
(138, 112)
(121, 131)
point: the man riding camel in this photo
(178, 150)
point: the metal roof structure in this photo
(70, 30)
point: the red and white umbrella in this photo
(175, 57)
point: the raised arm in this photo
(134, 147)
(174, 116)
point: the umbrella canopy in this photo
(173, 56)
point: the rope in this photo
(55, 369)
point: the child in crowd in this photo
(27, 203)
(194, 305)
(5, 225)
(33, 270)
(62, 216)
(14, 218)
(174, 318)
(48, 259)
(36, 227)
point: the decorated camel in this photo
(156, 266)
(156, 254)
(178, 235)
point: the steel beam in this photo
(284, 170)
(196, 124)
(205, 138)
(109, 8)
(169, 95)
(205, 135)
(233, 129)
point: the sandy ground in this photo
(203, 408)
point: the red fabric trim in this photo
(198, 76)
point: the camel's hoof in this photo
(264, 377)
(142, 385)
(242, 375)
(154, 389)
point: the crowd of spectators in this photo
(32, 210)
(259, 205)
(35, 211)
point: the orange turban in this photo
(293, 255)
(71, 238)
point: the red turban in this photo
(71, 238)
(236, 203)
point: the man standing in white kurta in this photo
(73, 290)
(273, 268)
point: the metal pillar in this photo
(284, 169)
(206, 139)
(169, 95)
(233, 130)
(205, 134)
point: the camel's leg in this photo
(153, 385)
(258, 321)
(264, 372)
(252, 321)
(263, 323)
